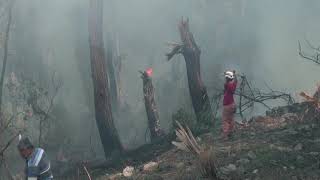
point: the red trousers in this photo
(228, 119)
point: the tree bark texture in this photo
(151, 108)
(113, 86)
(104, 119)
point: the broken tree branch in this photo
(198, 92)
(248, 96)
(315, 57)
(176, 49)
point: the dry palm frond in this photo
(188, 143)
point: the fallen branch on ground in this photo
(87, 172)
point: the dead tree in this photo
(44, 109)
(104, 119)
(191, 53)
(150, 104)
(35, 102)
(5, 49)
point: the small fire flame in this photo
(149, 72)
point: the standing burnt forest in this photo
(159, 89)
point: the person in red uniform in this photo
(229, 107)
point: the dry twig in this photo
(87, 172)
(8, 144)
(248, 96)
(315, 57)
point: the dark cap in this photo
(25, 143)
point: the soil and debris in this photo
(285, 144)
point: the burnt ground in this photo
(283, 147)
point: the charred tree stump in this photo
(191, 54)
(107, 130)
(150, 104)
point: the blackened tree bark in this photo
(108, 133)
(191, 54)
(151, 108)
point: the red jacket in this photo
(229, 89)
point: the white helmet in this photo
(229, 74)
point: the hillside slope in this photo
(283, 145)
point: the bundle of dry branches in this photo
(205, 156)
(249, 96)
(188, 142)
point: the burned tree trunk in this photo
(108, 133)
(118, 69)
(150, 104)
(112, 75)
(191, 53)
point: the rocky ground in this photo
(280, 146)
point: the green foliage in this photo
(184, 118)
(189, 120)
